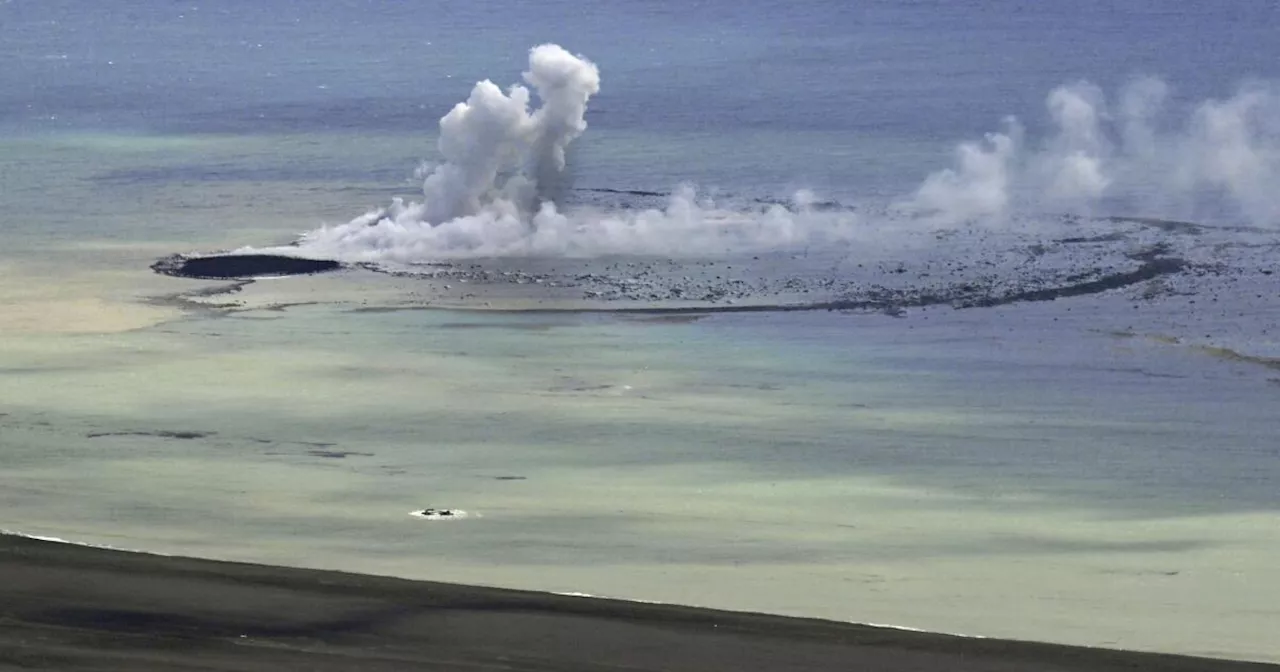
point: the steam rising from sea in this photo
(503, 162)
(1223, 161)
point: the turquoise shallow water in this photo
(954, 475)
(1046, 471)
(1015, 472)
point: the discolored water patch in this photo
(160, 434)
(337, 454)
(1234, 356)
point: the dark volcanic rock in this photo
(231, 266)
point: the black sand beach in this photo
(66, 607)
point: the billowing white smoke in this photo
(495, 149)
(686, 226)
(502, 160)
(979, 184)
(487, 198)
(1223, 162)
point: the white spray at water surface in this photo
(503, 160)
(1222, 162)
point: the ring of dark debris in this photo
(240, 266)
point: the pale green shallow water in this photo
(1023, 471)
(841, 467)
(985, 472)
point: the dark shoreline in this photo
(69, 607)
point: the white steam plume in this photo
(1223, 162)
(487, 197)
(687, 225)
(501, 162)
(494, 149)
(979, 184)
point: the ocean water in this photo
(1062, 471)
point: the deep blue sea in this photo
(817, 94)
(1061, 471)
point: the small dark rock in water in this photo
(231, 266)
(440, 514)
